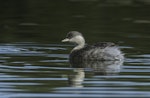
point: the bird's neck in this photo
(80, 43)
(78, 47)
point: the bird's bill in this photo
(65, 40)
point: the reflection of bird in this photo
(99, 51)
(107, 68)
(77, 77)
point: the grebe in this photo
(102, 51)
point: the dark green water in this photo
(34, 63)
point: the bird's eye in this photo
(69, 36)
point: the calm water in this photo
(34, 63)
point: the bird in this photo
(100, 51)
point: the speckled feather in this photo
(98, 51)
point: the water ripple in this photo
(43, 70)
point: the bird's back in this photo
(99, 51)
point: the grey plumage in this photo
(98, 51)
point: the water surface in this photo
(43, 70)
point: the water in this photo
(34, 63)
(43, 70)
